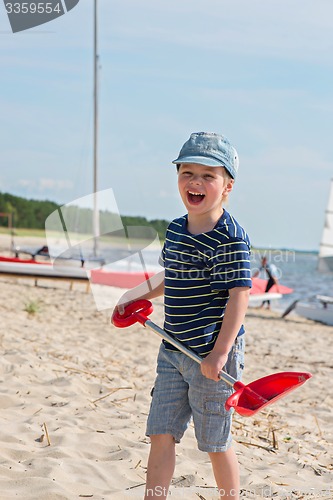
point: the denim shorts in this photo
(182, 392)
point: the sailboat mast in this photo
(95, 177)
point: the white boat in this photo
(325, 261)
(19, 268)
(320, 310)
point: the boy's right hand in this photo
(121, 305)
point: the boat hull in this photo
(119, 279)
(13, 266)
(315, 312)
(19, 268)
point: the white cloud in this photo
(45, 184)
(27, 183)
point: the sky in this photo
(260, 72)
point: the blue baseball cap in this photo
(212, 150)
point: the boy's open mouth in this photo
(195, 198)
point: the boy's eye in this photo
(209, 176)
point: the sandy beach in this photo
(75, 393)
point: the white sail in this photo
(325, 263)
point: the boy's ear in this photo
(229, 186)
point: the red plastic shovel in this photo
(247, 399)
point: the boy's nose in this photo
(196, 179)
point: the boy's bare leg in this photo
(161, 465)
(226, 472)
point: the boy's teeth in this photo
(195, 198)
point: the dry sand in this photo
(75, 393)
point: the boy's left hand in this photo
(213, 364)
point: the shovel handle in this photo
(138, 312)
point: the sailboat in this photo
(320, 307)
(30, 267)
(81, 266)
(12, 265)
(325, 260)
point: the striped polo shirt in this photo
(199, 271)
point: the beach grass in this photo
(23, 232)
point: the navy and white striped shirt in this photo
(199, 271)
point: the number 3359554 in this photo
(32, 8)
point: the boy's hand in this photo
(120, 307)
(212, 364)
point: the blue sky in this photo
(259, 72)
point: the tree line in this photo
(32, 214)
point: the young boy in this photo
(206, 282)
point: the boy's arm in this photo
(153, 287)
(232, 321)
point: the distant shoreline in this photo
(37, 236)
(287, 250)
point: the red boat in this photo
(14, 266)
